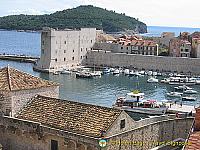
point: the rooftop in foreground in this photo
(70, 116)
(14, 80)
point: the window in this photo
(56, 59)
(73, 50)
(64, 59)
(81, 57)
(54, 145)
(42, 51)
(65, 42)
(91, 41)
(85, 57)
(81, 49)
(64, 51)
(42, 42)
(122, 124)
(72, 58)
(127, 48)
(121, 47)
(86, 49)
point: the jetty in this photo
(20, 58)
(177, 108)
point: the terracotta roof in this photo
(143, 43)
(71, 116)
(194, 141)
(14, 80)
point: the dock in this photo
(177, 108)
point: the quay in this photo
(180, 109)
(21, 58)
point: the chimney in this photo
(197, 120)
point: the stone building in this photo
(17, 88)
(52, 124)
(64, 49)
(165, 38)
(131, 45)
(179, 48)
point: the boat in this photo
(182, 88)
(190, 92)
(181, 81)
(142, 72)
(150, 73)
(106, 70)
(188, 98)
(126, 71)
(134, 102)
(83, 75)
(154, 73)
(152, 80)
(134, 73)
(116, 71)
(65, 71)
(112, 69)
(165, 80)
(96, 73)
(55, 73)
(174, 94)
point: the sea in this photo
(101, 91)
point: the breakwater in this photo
(20, 58)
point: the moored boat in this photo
(174, 94)
(152, 80)
(190, 92)
(116, 71)
(134, 102)
(83, 75)
(188, 98)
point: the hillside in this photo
(82, 16)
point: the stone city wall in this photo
(27, 135)
(146, 137)
(103, 58)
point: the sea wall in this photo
(103, 58)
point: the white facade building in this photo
(65, 49)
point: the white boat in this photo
(126, 71)
(134, 102)
(83, 74)
(55, 73)
(181, 81)
(106, 70)
(165, 80)
(190, 92)
(152, 80)
(183, 87)
(174, 94)
(134, 73)
(188, 98)
(116, 71)
(96, 73)
(112, 69)
(65, 71)
(154, 73)
(142, 72)
(131, 73)
(150, 73)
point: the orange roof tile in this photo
(14, 80)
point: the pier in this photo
(20, 58)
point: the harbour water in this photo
(100, 91)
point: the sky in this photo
(173, 13)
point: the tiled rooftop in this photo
(71, 116)
(14, 80)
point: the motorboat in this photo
(165, 80)
(190, 92)
(181, 81)
(106, 70)
(182, 88)
(83, 75)
(112, 69)
(188, 98)
(152, 80)
(174, 94)
(116, 71)
(65, 71)
(126, 71)
(96, 73)
(134, 102)
(142, 72)
(55, 73)
(150, 73)
(154, 73)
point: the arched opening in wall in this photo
(81, 146)
(71, 145)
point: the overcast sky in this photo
(177, 13)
